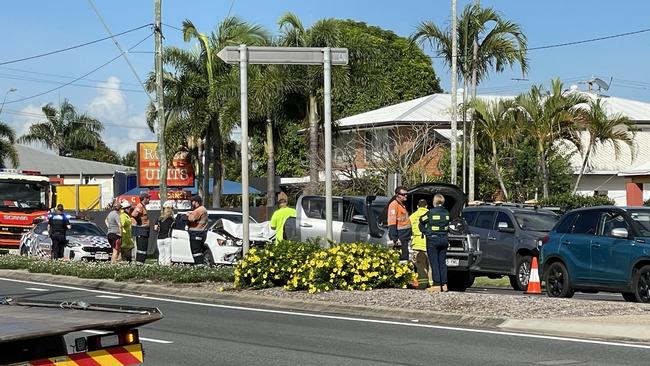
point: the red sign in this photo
(179, 173)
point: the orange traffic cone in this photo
(534, 286)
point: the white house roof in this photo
(51, 164)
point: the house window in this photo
(378, 144)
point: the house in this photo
(65, 170)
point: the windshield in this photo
(641, 220)
(85, 228)
(536, 220)
(23, 195)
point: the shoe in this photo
(444, 288)
(433, 288)
(403, 261)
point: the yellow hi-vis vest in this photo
(417, 239)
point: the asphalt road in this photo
(193, 333)
(601, 296)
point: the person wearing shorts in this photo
(114, 231)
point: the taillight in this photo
(543, 241)
(111, 340)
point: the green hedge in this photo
(568, 201)
(120, 271)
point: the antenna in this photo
(600, 83)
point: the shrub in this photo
(567, 201)
(356, 266)
(273, 265)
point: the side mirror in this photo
(503, 227)
(359, 219)
(46, 233)
(619, 233)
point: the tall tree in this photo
(64, 130)
(7, 148)
(603, 129)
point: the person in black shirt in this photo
(57, 225)
(164, 227)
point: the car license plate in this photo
(101, 256)
(453, 262)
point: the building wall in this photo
(612, 184)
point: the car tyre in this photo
(208, 259)
(459, 281)
(629, 296)
(557, 281)
(641, 284)
(519, 281)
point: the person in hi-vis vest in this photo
(435, 226)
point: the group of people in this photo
(427, 230)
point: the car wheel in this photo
(629, 296)
(557, 281)
(459, 281)
(641, 284)
(208, 259)
(519, 281)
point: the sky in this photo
(114, 95)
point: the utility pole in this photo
(454, 102)
(160, 111)
(472, 132)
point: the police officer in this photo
(57, 225)
(435, 226)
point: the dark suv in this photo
(605, 248)
(510, 235)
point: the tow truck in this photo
(32, 332)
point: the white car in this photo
(221, 246)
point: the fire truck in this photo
(25, 197)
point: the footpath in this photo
(618, 327)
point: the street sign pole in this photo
(327, 89)
(243, 72)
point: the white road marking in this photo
(109, 296)
(36, 289)
(141, 338)
(345, 318)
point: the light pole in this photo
(11, 90)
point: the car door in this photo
(484, 227)
(180, 243)
(502, 250)
(575, 246)
(354, 228)
(610, 255)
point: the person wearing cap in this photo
(399, 224)
(164, 227)
(114, 226)
(141, 231)
(197, 221)
(279, 217)
(126, 246)
(58, 223)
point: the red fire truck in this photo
(24, 197)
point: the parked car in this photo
(510, 235)
(605, 248)
(86, 241)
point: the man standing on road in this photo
(420, 246)
(57, 224)
(141, 231)
(198, 224)
(399, 224)
(114, 231)
(280, 217)
(126, 221)
(435, 225)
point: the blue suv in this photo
(604, 248)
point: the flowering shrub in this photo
(357, 266)
(273, 265)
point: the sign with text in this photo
(179, 172)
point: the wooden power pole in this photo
(160, 111)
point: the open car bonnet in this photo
(455, 199)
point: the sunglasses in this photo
(402, 194)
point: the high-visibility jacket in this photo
(436, 221)
(398, 216)
(417, 239)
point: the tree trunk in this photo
(464, 175)
(207, 152)
(472, 133)
(270, 165)
(584, 165)
(217, 158)
(497, 171)
(544, 171)
(200, 169)
(313, 144)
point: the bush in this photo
(274, 265)
(119, 272)
(567, 201)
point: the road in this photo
(601, 296)
(194, 333)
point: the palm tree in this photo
(603, 129)
(323, 33)
(65, 130)
(7, 147)
(548, 117)
(499, 43)
(495, 123)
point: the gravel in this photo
(462, 303)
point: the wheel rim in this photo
(643, 287)
(524, 273)
(555, 281)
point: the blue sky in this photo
(113, 95)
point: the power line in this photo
(59, 75)
(36, 80)
(39, 115)
(80, 77)
(72, 47)
(171, 26)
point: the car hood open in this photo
(455, 199)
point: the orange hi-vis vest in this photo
(397, 215)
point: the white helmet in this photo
(125, 204)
